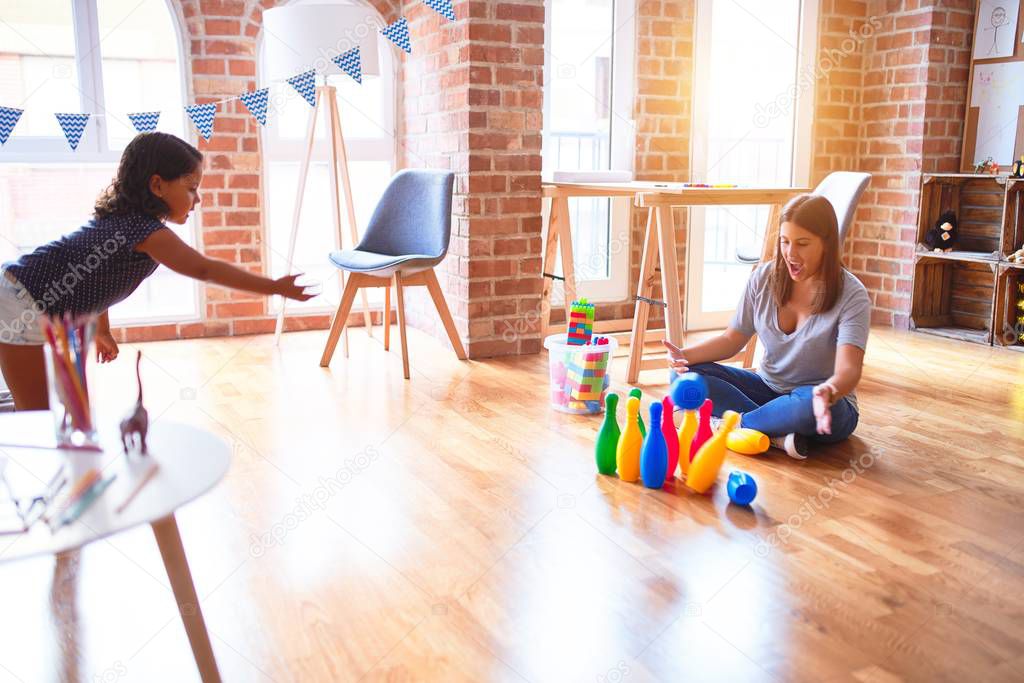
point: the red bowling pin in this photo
(668, 428)
(704, 430)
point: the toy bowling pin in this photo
(668, 430)
(639, 418)
(688, 392)
(703, 430)
(608, 437)
(709, 459)
(686, 432)
(627, 454)
(747, 441)
(654, 456)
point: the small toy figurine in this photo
(135, 425)
(1018, 168)
(988, 166)
(942, 237)
(1016, 257)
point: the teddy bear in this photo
(942, 237)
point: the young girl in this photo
(103, 262)
(812, 316)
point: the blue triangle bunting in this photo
(350, 63)
(256, 103)
(73, 126)
(398, 33)
(145, 121)
(305, 84)
(202, 116)
(442, 7)
(8, 120)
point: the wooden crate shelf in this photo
(1009, 315)
(965, 294)
(953, 299)
(1013, 217)
(977, 202)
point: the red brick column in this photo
(913, 99)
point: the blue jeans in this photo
(768, 411)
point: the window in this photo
(367, 114)
(751, 126)
(107, 58)
(588, 93)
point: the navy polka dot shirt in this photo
(91, 269)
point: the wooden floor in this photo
(453, 527)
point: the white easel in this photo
(328, 95)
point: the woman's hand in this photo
(106, 347)
(286, 287)
(676, 358)
(822, 399)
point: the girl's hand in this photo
(106, 347)
(286, 287)
(822, 402)
(676, 359)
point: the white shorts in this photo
(19, 321)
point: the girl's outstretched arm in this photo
(163, 246)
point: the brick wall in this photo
(914, 90)
(472, 102)
(891, 86)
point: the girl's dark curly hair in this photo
(148, 154)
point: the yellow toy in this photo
(708, 461)
(627, 453)
(747, 441)
(686, 431)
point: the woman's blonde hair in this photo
(815, 214)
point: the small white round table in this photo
(191, 461)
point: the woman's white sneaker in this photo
(795, 445)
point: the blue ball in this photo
(689, 391)
(741, 487)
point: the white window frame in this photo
(94, 147)
(384, 148)
(803, 141)
(622, 151)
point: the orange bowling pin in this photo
(709, 459)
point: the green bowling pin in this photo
(639, 418)
(608, 437)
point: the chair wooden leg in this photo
(338, 324)
(386, 317)
(748, 352)
(434, 287)
(401, 324)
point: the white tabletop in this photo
(191, 461)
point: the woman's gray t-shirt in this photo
(808, 355)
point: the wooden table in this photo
(191, 462)
(659, 247)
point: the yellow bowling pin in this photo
(709, 459)
(747, 441)
(686, 431)
(627, 454)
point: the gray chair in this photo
(843, 190)
(407, 236)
